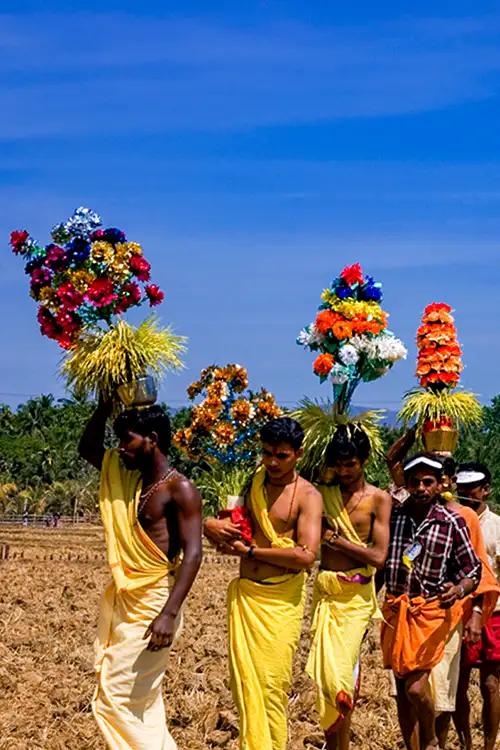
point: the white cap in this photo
(470, 477)
(424, 461)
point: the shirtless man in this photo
(150, 514)
(354, 545)
(266, 601)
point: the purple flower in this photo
(114, 235)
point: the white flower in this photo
(390, 348)
(339, 375)
(309, 335)
(348, 354)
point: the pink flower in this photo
(56, 258)
(101, 293)
(40, 277)
(140, 267)
(155, 294)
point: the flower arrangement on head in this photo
(84, 280)
(437, 406)
(223, 436)
(354, 345)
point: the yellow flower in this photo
(102, 252)
(81, 280)
(224, 433)
(48, 296)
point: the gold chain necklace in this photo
(145, 496)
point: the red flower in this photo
(352, 274)
(101, 293)
(68, 321)
(70, 298)
(140, 267)
(130, 295)
(48, 323)
(155, 294)
(97, 234)
(437, 307)
(17, 240)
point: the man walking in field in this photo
(150, 515)
(431, 566)
(473, 488)
(354, 545)
(266, 601)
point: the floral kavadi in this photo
(350, 333)
(225, 425)
(84, 276)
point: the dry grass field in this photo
(48, 609)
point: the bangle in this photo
(250, 553)
(478, 609)
(461, 589)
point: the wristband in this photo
(250, 553)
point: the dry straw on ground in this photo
(48, 610)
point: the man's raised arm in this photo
(91, 445)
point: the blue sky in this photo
(255, 148)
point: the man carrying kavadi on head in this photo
(430, 568)
(151, 514)
(354, 545)
(266, 601)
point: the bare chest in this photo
(362, 513)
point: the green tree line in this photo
(41, 471)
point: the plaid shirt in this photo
(447, 553)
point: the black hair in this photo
(438, 473)
(477, 466)
(283, 430)
(349, 441)
(449, 466)
(144, 422)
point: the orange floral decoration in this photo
(439, 355)
(323, 364)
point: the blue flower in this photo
(114, 235)
(78, 250)
(371, 291)
(343, 291)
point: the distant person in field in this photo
(152, 524)
(266, 601)
(431, 567)
(354, 546)
(473, 488)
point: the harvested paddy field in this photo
(48, 608)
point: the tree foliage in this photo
(41, 471)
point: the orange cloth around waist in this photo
(488, 586)
(414, 632)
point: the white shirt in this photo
(490, 526)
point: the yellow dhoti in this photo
(342, 610)
(128, 704)
(343, 604)
(264, 622)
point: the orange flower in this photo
(242, 411)
(342, 330)
(224, 433)
(323, 364)
(325, 320)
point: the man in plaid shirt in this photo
(430, 568)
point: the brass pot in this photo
(139, 392)
(440, 440)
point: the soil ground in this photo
(48, 610)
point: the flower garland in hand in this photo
(84, 276)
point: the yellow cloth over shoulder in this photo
(264, 621)
(127, 703)
(343, 604)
